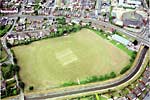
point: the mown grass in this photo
(42, 67)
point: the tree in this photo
(101, 30)
(31, 88)
(9, 45)
(14, 92)
(113, 75)
(90, 23)
(7, 71)
(125, 69)
(21, 84)
(135, 42)
(16, 68)
(76, 27)
(18, 19)
(101, 78)
(61, 20)
(36, 12)
(15, 60)
(60, 31)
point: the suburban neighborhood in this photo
(74, 49)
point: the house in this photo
(22, 20)
(22, 36)
(131, 96)
(3, 21)
(30, 2)
(148, 68)
(11, 10)
(132, 19)
(77, 21)
(121, 2)
(118, 22)
(147, 74)
(120, 39)
(144, 80)
(137, 91)
(122, 98)
(141, 86)
(134, 2)
(3, 85)
(28, 10)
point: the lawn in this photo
(58, 2)
(102, 98)
(51, 62)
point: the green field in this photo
(51, 62)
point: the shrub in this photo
(125, 69)
(31, 88)
(113, 75)
(70, 83)
(21, 84)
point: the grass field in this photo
(51, 62)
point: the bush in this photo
(21, 84)
(31, 88)
(93, 79)
(70, 83)
(113, 75)
(7, 71)
(14, 92)
(16, 68)
(125, 69)
(101, 78)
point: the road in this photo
(132, 34)
(93, 88)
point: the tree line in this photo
(92, 79)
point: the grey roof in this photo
(141, 86)
(3, 21)
(137, 91)
(131, 96)
(132, 18)
(147, 74)
(144, 80)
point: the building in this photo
(3, 21)
(12, 11)
(134, 2)
(144, 80)
(137, 91)
(120, 39)
(141, 86)
(98, 7)
(147, 74)
(132, 19)
(131, 96)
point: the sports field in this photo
(51, 62)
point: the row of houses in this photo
(78, 4)
(14, 39)
(142, 85)
(67, 13)
(130, 3)
(9, 10)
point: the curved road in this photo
(94, 88)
